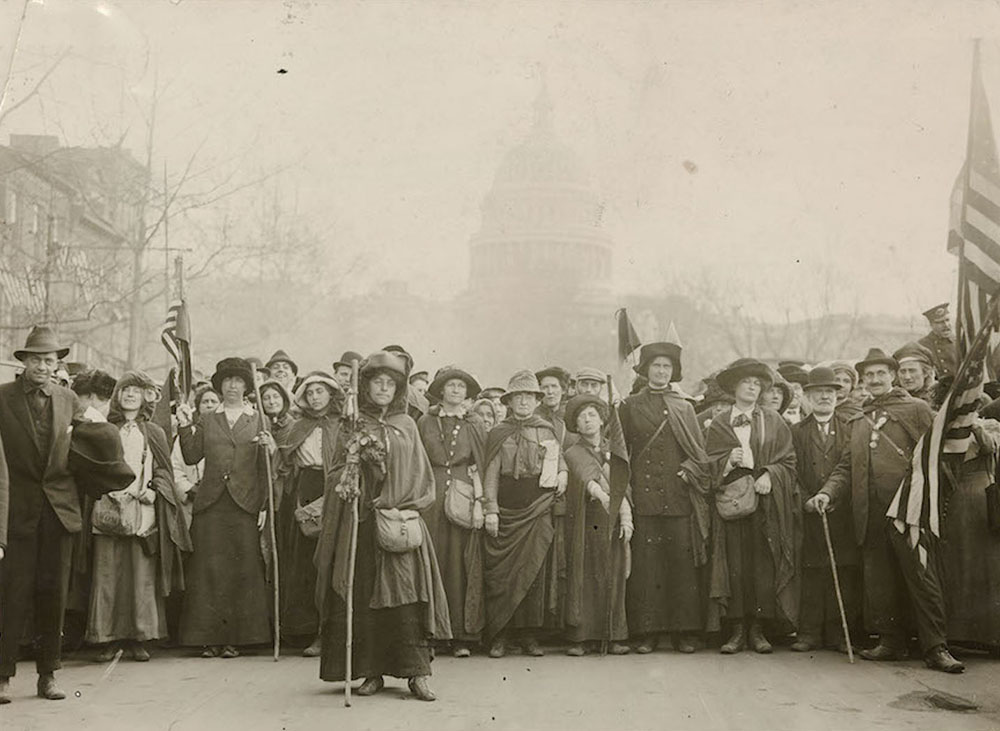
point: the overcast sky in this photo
(826, 136)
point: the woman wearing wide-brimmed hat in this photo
(133, 574)
(306, 452)
(670, 479)
(525, 471)
(455, 440)
(227, 601)
(400, 606)
(598, 529)
(755, 557)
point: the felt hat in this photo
(400, 350)
(560, 374)
(876, 356)
(326, 379)
(392, 361)
(590, 374)
(96, 458)
(914, 351)
(41, 340)
(444, 375)
(420, 376)
(347, 359)
(238, 367)
(938, 312)
(821, 377)
(793, 372)
(843, 366)
(491, 392)
(651, 351)
(521, 382)
(280, 356)
(743, 368)
(713, 395)
(578, 403)
(786, 392)
(74, 369)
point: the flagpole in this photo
(962, 300)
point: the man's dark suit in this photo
(44, 510)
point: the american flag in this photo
(975, 238)
(176, 338)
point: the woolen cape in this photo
(514, 558)
(782, 511)
(401, 578)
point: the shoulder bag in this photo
(738, 498)
(398, 531)
(119, 513)
(310, 517)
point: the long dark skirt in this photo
(297, 573)
(971, 564)
(126, 600)
(751, 569)
(602, 584)
(386, 641)
(664, 590)
(227, 599)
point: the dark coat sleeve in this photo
(192, 444)
(4, 497)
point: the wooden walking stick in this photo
(270, 520)
(836, 587)
(352, 554)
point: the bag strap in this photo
(652, 439)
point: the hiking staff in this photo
(352, 556)
(270, 520)
(611, 536)
(836, 587)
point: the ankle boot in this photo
(737, 640)
(758, 641)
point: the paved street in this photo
(660, 691)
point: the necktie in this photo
(741, 420)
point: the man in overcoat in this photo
(820, 440)
(867, 476)
(670, 482)
(940, 341)
(35, 421)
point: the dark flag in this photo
(628, 340)
(176, 338)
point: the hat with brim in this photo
(436, 389)
(97, 460)
(40, 341)
(560, 374)
(713, 395)
(521, 382)
(914, 352)
(280, 356)
(336, 390)
(842, 366)
(793, 373)
(578, 403)
(743, 368)
(420, 376)
(348, 359)
(383, 360)
(651, 351)
(786, 392)
(590, 374)
(876, 356)
(401, 351)
(491, 392)
(232, 368)
(821, 377)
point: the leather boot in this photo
(884, 651)
(139, 652)
(4, 691)
(460, 650)
(737, 640)
(758, 641)
(371, 686)
(498, 648)
(576, 650)
(419, 688)
(686, 644)
(531, 647)
(646, 645)
(938, 658)
(315, 649)
(48, 689)
(618, 648)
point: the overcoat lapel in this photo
(243, 424)
(61, 417)
(652, 408)
(19, 405)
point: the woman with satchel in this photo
(227, 601)
(757, 526)
(454, 439)
(305, 450)
(399, 603)
(139, 533)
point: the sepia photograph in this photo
(542, 364)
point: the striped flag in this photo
(176, 338)
(974, 236)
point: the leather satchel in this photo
(398, 531)
(459, 502)
(310, 517)
(737, 498)
(118, 513)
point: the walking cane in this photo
(270, 519)
(352, 554)
(836, 587)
